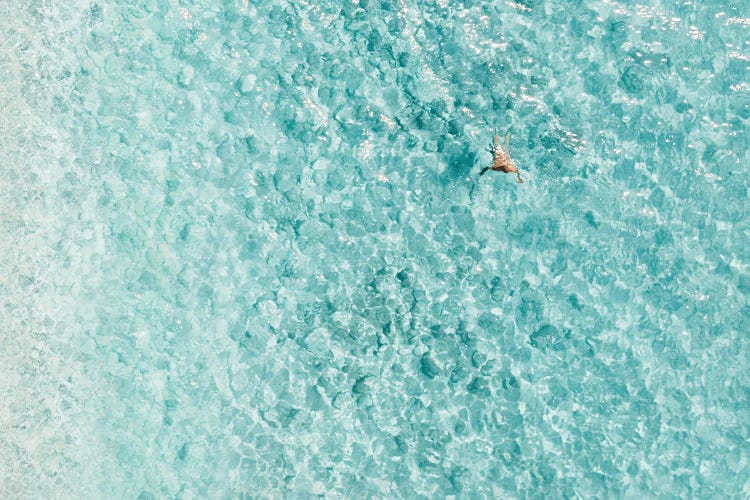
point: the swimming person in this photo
(501, 160)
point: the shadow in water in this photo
(462, 163)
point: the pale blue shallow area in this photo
(245, 250)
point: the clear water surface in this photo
(244, 249)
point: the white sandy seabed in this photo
(47, 231)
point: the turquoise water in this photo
(245, 251)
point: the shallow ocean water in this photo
(245, 251)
